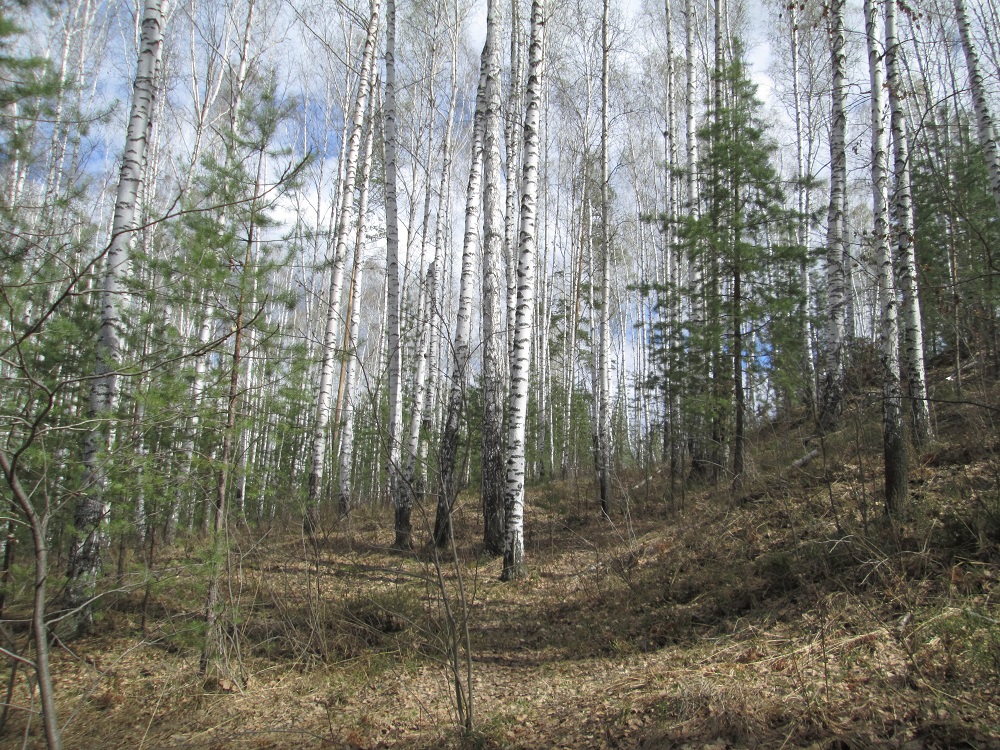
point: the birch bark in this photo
(604, 357)
(325, 392)
(802, 221)
(831, 396)
(894, 448)
(513, 134)
(91, 512)
(984, 118)
(513, 559)
(495, 349)
(906, 257)
(403, 509)
(353, 326)
(461, 345)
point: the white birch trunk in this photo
(354, 323)
(984, 118)
(455, 414)
(411, 448)
(831, 396)
(906, 257)
(575, 279)
(604, 357)
(513, 132)
(671, 411)
(91, 511)
(398, 493)
(495, 350)
(802, 220)
(431, 417)
(324, 396)
(894, 448)
(513, 559)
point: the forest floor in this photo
(786, 615)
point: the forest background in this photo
(271, 265)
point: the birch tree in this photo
(354, 323)
(602, 391)
(906, 259)
(345, 222)
(894, 448)
(802, 203)
(91, 513)
(460, 347)
(403, 508)
(984, 118)
(513, 558)
(831, 395)
(494, 286)
(672, 263)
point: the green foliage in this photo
(47, 262)
(957, 234)
(740, 249)
(27, 86)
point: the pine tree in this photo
(39, 335)
(736, 232)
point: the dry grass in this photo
(790, 616)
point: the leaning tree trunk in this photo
(894, 447)
(987, 130)
(91, 511)
(39, 525)
(831, 396)
(906, 256)
(513, 557)
(454, 415)
(324, 396)
(353, 325)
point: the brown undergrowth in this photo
(789, 614)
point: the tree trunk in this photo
(894, 447)
(984, 118)
(494, 291)
(802, 221)
(325, 392)
(463, 328)
(905, 247)
(403, 526)
(39, 629)
(603, 394)
(354, 323)
(91, 513)
(831, 396)
(513, 134)
(513, 558)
